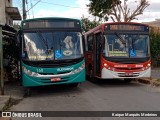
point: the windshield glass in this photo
(126, 45)
(52, 45)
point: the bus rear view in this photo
(51, 52)
(118, 50)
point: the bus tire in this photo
(91, 77)
(128, 80)
(27, 92)
(74, 85)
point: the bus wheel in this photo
(73, 85)
(128, 80)
(91, 77)
(27, 92)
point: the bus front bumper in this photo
(29, 81)
(108, 74)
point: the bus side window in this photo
(90, 42)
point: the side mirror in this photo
(83, 38)
(101, 45)
(83, 43)
(102, 40)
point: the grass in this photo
(10, 103)
(155, 82)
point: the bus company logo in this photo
(65, 69)
(129, 67)
(40, 70)
(139, 66)
(121, 66)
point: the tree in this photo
(100, 8)
(116, 9)
(87, 24)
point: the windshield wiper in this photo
(42, 38)
(121, 39)
(44, 41)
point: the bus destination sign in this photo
(126, 27)
(50, 24)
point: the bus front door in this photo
(97, 54)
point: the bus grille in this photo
(127, 75)
(128, 68)
(53, 73)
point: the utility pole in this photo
(24, 9)
(1, 63)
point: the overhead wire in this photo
(32, 8)
(55, 4)
(33, 5)
(50, 3)
(19, 5)
(27, 8)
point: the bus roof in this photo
(50, 18)
(102, 26)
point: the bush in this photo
(155, 46)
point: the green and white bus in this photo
(51, 52)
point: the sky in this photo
(78, 8)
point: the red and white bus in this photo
(118, 50)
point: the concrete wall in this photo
(2, 12)
(4, 17)
(9, 20)
(8, 3)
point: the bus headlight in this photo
(105, 64)
(147, 66)
(30, 73)
(79, 69)
(26, 71)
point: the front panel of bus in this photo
(52, 52)
(126, 51)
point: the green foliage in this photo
(155, 47)
(155, 44)
(102, 8)
(10, 52)
(88, 24)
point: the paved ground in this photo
(102, 96)
(12, 90)
(155, 73)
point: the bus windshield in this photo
(44, 45)
(126, 45)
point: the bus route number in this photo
(40, 70)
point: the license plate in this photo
(55, 79)
(129, 74)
